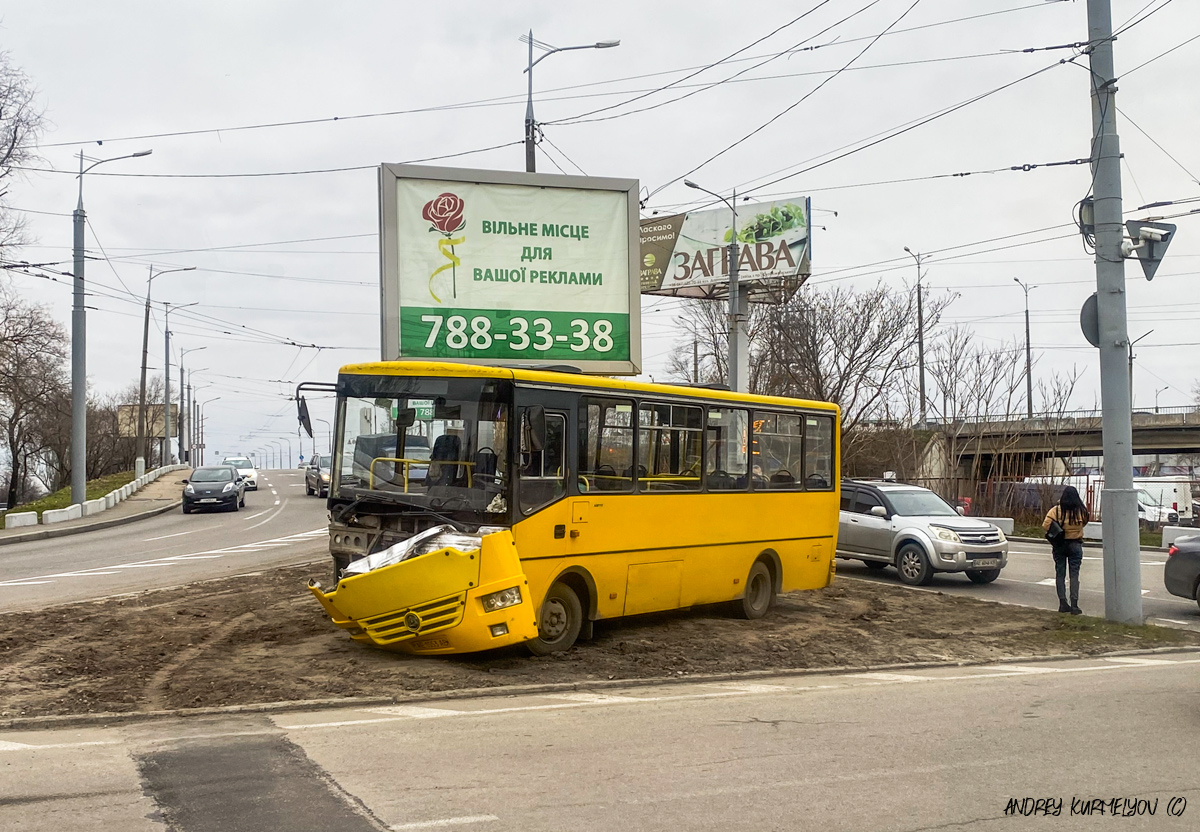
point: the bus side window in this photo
(669, 447)
(725, 467)
(543, 473)
(818, 453)
(606, 453)
(778, 451)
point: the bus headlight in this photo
(503, 598)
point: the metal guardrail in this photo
(1049, 419)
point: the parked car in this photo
(214, 486)
(1182, 573)
(316, 475)
(244, 467)
(909, 527)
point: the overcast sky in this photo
(294, 257)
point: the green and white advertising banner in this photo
(687, 255)
(494, 267)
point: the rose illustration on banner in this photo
(445, 215)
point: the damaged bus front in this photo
(420, 525)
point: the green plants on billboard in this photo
(779, 219)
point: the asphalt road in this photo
(278, 526)
(1028, 580)
(944, 748)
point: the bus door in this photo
(543, 473)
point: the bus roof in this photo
(459, 370)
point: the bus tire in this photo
(559, 621)
(760, 593)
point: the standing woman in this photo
(1072, 515)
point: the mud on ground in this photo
(262, 638)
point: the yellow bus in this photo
(474, 507)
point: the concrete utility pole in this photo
(1028, 353)
(739, 306)
(530, 124)
(920, 338)
(1122, 555)
(142, 449)
(79, 341)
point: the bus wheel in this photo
(760, 593)
(559, 622)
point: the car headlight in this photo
(229, 486)
(504, 598)
(1000, 532)
(324, 478)
(945, 534)
(187, 489)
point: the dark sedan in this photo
(214, 486)
(1182, 573)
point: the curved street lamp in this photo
(140, 464)
(739, 338)
(79, 342)
(530, 124)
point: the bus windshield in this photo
(435, 442)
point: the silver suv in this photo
(889, 523)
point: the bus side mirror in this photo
(535, 420)
(406, 418)
(302, 415)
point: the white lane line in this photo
(436, 824)
(1045, 582)
(276, 502)
(260, 514)
(1174, 621)
(1136, 660)
(165, 561)
(274, 513)
(165, 536)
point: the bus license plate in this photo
(985, 563)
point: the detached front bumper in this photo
(433, 603)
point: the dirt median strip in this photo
(255, 639)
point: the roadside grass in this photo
(1081, 629)
(96, 489)
(1146, 538)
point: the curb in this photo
(45, 534)
(1087, 544)
(122, 718)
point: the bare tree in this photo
(20, 124)
(33, 386)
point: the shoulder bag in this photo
(1056, 534)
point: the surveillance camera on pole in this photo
(1147, 241)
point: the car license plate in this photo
(210, 500)
(985, 563)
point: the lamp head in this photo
(607, 44)
(909, 250)
(692, 184)
(142, 153)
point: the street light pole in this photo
(166, 456)
(530, 124)
(328, 434)
(739, 337)
(1028, 354)
(79, 341)
(920, 336)
(184, 417)
(1131, 357)
(140, 464)
(202, 423)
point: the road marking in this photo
(1136, 660)
(276, 502)
(892, 677)
(260, 514)
(1174, 621)
(434, 824)
(165, 536)
(171, 559)
(273, 515)
(1046, 582)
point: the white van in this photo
(1172, 493)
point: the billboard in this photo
(686, 254)
(494, 267)
(127, 420)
